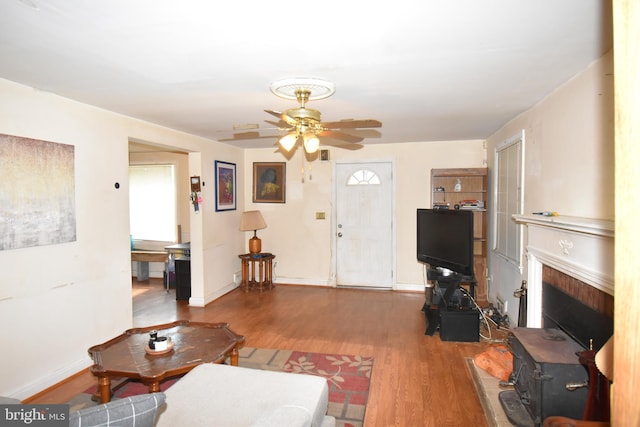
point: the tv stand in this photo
(451, 308)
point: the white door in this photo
(364, 229)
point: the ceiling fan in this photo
(303, 124)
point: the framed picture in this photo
(225, 174)
(269, 182)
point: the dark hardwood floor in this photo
(417, 380)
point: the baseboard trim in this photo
(55, 386)
(30, 391)
(301, 281)
(410, 287)
(202, 302)
(403, 287)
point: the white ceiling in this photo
(428, 70)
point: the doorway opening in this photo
(158, 174)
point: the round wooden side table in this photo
(257, 271)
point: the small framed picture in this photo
(225, 174)
(269, 182)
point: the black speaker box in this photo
(460, 325)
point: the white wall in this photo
(569, 159)
(303, 245)
(56, 301)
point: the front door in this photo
(364, 224)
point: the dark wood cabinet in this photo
(183, 278)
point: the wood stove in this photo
(547, 375)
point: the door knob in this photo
(340, 234)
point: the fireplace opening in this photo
(581, 311)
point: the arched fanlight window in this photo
(363, 177)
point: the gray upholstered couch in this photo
(222, 395)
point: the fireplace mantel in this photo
(598, 227)
(580, 247)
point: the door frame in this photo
(334, 210)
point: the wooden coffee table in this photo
(194, 343)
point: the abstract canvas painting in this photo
(37, 193)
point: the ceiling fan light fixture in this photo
(288, 141)
(311, 143)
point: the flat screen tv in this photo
(445, 239)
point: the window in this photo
(508, 199)
(363, 177)
(152, 202)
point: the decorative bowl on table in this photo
(161, 347)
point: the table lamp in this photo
(252, 220)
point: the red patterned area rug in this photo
(348, 378)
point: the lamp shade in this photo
(311, 143)
(288, 141)
(251, 221)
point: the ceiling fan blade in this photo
(340, 136)
(277, 114)
(365, 133)
(340, 144)
(351, 123)
(281, 125)
(247, 135)
(282, 116)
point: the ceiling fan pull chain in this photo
(310, 168)
(302, 170)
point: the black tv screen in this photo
(445, 239)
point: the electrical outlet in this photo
(501, 305)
